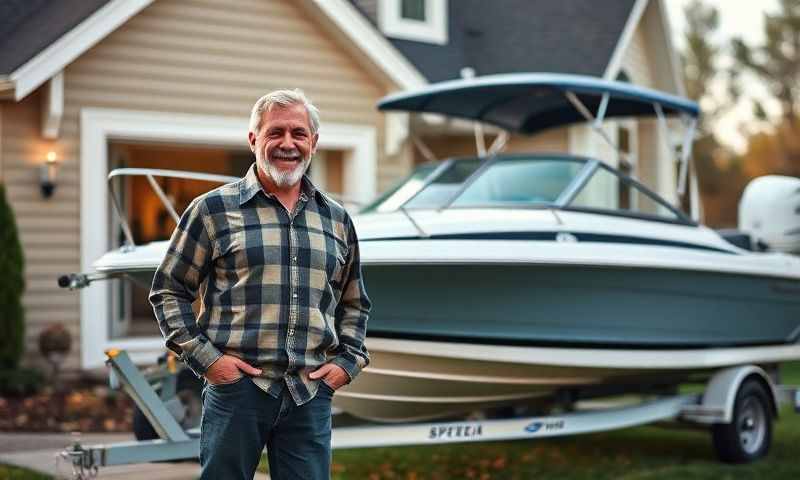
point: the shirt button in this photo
(291, 332)
(294, 295)
(294, 259)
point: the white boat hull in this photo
(410, 380)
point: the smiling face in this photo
(284, 144)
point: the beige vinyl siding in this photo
(554, 140)
(647, 63)
(184, 56)
(636, 61)
(659, 53)
(48, 228)
(647, 59)
(204, 57)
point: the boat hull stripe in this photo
(551, 236)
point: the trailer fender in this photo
(717, 403)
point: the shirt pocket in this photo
(341, 261)
(328, 257)
(232, 248)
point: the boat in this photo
(532, 281)
(519, 279)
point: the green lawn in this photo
(8, 472)
(638, 453)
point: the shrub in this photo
(12, 284)
(20, 382)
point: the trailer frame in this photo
(715, 406)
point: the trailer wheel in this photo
(749, 435)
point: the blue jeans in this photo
(239, 419)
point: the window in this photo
(412, 10)
(625, 166)
(417, 20)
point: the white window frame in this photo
(432, 30)
(99, 126)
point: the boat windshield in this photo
(520, 182)
(400, 192)
(608, 191)
(526, 181)
(441, 187)
(430, 185)
(565, 183)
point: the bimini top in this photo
(531, 102)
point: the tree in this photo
(718, 172)
(700, 56)
(766, 150)
(777, 64)
(12, 284)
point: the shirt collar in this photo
(249, 186)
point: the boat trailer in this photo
(716, 407)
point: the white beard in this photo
(282, 178)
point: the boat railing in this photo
(150, 174)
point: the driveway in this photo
(39, 452)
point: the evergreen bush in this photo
(21, 382)
(12, 284)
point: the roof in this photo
(38, 38)
(567, 36)
(29, 26)
(531, 102)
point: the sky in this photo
(737, 18)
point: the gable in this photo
(646, 55)
(567, 36)
(39, 41)
(204, 57)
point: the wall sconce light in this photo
(48, 171)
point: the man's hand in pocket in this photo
(228, 369)
(332, 374)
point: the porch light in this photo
(47, 178)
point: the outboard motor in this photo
(769, 211)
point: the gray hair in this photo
(283, 99)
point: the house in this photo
(90, 85)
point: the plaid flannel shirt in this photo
(282, 291)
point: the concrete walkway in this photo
(39, 452)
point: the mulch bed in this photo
(80, 407)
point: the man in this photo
(283, 309)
